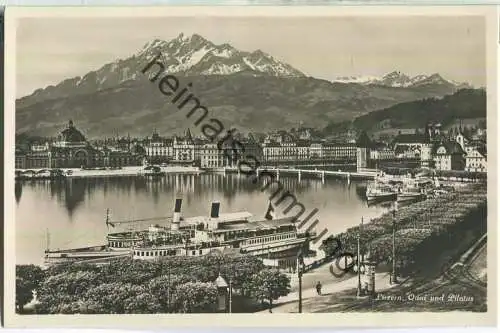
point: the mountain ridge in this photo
(185, 56)
(397, 79)
(247, 90)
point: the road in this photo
(467, 278)
(330, 286)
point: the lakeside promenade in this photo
(129, 171)
(461, 227)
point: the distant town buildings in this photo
(474, 149)
(430, 147)
(448, 156)
(437, 150)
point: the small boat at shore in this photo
(380, 190)
(413, 189)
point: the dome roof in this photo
(71, 134)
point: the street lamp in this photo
(393, 276)
(300, 270)
(359, 290)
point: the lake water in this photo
(74, 211)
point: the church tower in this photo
(363, 145)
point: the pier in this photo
(322, 174)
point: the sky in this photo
(50, 50)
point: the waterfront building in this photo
(72, 150)
(271, 150)
(288, 151)
(159, 149)
(37, 147)
(211, 156)
(123, 144)
(246, 147)
(339, 151)
(475, 160)
(303, 147)
(39, 159)
(426, 159)
(448, 156)
(316, 150)
(184, 148)
(410, 145)
(419, 145)
(363, 147)
(475, 152)
(291, 149)
(20, 158)
(407, 151)
(71, 138)
(252, 147)
(382, 154)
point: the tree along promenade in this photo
(173, 285)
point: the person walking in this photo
(318, 288)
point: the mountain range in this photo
(402, 80)
(246, 90)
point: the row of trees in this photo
(170, 285)
(423, 228)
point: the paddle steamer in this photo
(275, 240)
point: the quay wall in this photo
(124, 172)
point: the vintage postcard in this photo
(250, 166)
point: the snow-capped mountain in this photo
(195, 55)
(398, 79)
(355, 79)
(247, 90)
(183, 55)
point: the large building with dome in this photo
(72, 150)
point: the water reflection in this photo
(18, 191)
(74, 210)
(71, 193)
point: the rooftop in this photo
(257, 225)
(451, 148)
(223, 218)
(411, 138)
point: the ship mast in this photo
(107, 217)
(47, 240)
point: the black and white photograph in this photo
(226, 161)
